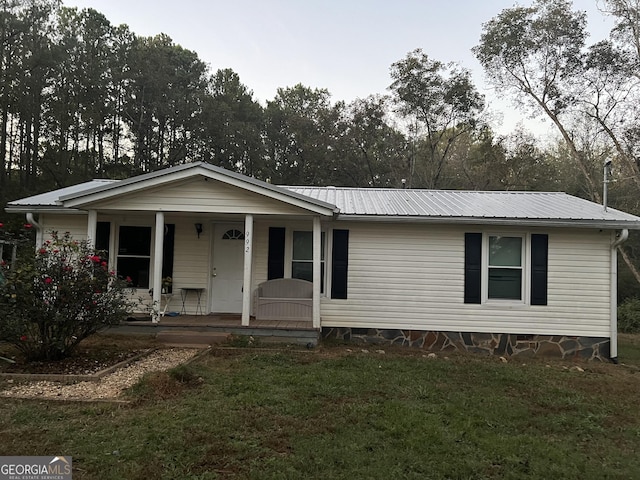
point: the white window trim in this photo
(526, 269)
(288, 253)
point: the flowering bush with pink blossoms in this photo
(51, 301)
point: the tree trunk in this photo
(627, 260)
(593, 190)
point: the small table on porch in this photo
(184, 293)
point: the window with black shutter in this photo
(539, 267)
(275, 261)
(504, 270)
(472, 268)
(339, 263)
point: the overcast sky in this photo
(345, 46)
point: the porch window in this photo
(8, 251)
(505, 267)
(103, 232)
(134, 255)
(302, 257)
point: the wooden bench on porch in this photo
(284, 299)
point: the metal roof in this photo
(52, 198)
(503, 208)
(531, 208)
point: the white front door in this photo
(227, 270)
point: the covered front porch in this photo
(198, 239)
(184, 266)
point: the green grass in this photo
(629, 348)
(335, 414)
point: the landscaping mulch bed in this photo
(92, 355)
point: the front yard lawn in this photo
(341, 413)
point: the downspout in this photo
(613, 323)
(38, 227)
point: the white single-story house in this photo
(500, 272)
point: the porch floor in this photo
(232, 320)
(289, 331)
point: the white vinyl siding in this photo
(260, 252)
(76, 225)
(190, 262)
(408, 276)
(412, 277)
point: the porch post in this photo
(248, 255)
(157, 267)
(92, 228)
(317, 279)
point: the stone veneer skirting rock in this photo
(566, 347)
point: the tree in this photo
(167, 84)
(231, 121)
(81, 104)
(610, 94)
(441, 104)
(535, 52)
(300, 134)
(371, 151)
(12, 29)
(626, 32)
(34, 63)
(539, 54)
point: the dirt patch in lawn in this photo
(94, 354)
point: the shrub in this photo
(53, 300)
(629, 316)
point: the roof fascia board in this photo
(612, 224)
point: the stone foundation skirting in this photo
(521, 346)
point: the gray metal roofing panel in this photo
(463, 204)
(52, 198)
(409, 203)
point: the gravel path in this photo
(110, 386)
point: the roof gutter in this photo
(43, 209)
(495, 221)
(613, 301)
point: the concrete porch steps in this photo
(216, 328)
(191, 338)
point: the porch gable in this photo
(165, 179)
(198, 194)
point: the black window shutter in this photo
(472, 267)
(539, 262)
(339, 263)
(275, 262)
(168, 250)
